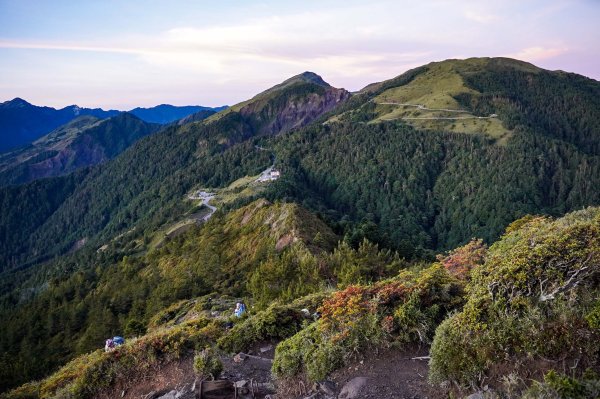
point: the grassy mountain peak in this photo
(489, 96)
(304, 77)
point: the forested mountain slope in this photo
(417, 190)
(422, 183)
(83, 142)
(145, 186)
(103, 297)
(21, 122)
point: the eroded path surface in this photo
(390, 374)
(387, 374)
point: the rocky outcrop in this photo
(297, 111)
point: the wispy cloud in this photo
(230, 57)
(29, 45)
(538, 53)
(481, 17)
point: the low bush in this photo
(86, 375)
(403, 309)
(207, 364)
(276, 322)
(534, 298)
(560, 386)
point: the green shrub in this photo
(593, 317)
(207, 364)
(415, 324)
(560, 386)
(276, 322)
(451, 359)
(307, 352)
(361, 317)
(289, 354)
(530, 299)
(134, 328)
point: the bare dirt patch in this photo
(391, 374)
(175, 375)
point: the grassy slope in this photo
(221, 256)
(437, 88)
(397, 312)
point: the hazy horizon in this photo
(141, 54)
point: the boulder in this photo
(266, 348)
(171, 395)
(240, 357)
(327, 387)
(353, 388)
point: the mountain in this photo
(21, 122)
(147, 182)
(398, 172)
(196, 117)
(423, 186)
(85, 141)
(166, 113)
(242, 240)
(291, 104)
(449, 151)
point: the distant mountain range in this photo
(22, 123)
(166, 113)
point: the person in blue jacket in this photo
(240, 309)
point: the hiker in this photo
(118, 341)
(112, 343)
(240, 309)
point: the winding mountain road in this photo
(424, 108)
(205, 198)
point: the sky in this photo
(122, 54)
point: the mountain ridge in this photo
(83, 142)
(21, 122)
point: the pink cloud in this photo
(538, 53)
